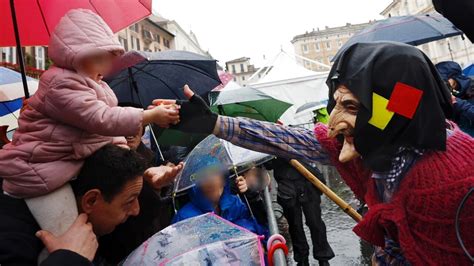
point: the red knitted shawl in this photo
(421, 214)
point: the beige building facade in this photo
(145, 35)
(242, 70)
(321, 45)
(451, 49)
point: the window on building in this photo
(339, 43)
(166, 43)
(40, 58)
(135, 43)
(135, 27)
(242, 70)
(157, 38)
(243, 78)
(328, 45)
(123, 42)
(316, 46)
(305, 48)
(9, 54)
(233, 69)
(147, 34)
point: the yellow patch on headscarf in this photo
(380, 115)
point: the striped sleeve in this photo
(281, 141)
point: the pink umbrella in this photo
(31, 22)
(225, 78)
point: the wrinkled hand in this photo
(241, 184)
(79, 238)
(195, 115)
(162, 176)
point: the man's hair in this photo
(108, 170)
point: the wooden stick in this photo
(327, 191)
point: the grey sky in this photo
(253, 28)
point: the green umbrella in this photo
(172, 137)
(248, 102)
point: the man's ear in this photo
(90, 200)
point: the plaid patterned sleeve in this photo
(281, 141)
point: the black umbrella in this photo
(141, 77)
(413, 30)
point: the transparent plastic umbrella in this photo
(214, 154)
(202, 240)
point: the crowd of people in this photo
(80, 188)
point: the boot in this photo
(304, 262)
(323, 263)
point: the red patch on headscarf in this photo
(404, 100)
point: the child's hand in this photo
(241, 184)
(165, 115)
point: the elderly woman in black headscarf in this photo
(390, 141)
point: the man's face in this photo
(134, 141)
(105, 216)
(213, 187)
(342, 121)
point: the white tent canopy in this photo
(288, 81)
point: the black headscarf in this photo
(380, 67)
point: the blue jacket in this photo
(231, 208)
(450, 69)
(464, 115)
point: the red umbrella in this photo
(30, 22)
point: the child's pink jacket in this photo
(70, 116)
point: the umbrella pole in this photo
(135, 87)
(156, 142)
(18, 49)
(327, 191)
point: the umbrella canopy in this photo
(11, 87)
(141, 77)
(214, 154)
(225, 78)
(31, 22)
(36, 19)
(11, 95)
(248, 102)
(202, 240)
(413, 30)
(469, 71)
(311, 106)
(173, 137)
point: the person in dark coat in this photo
(20, 246)
(156, 213)
(297, 196)
(462, 89)
(107, 190)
